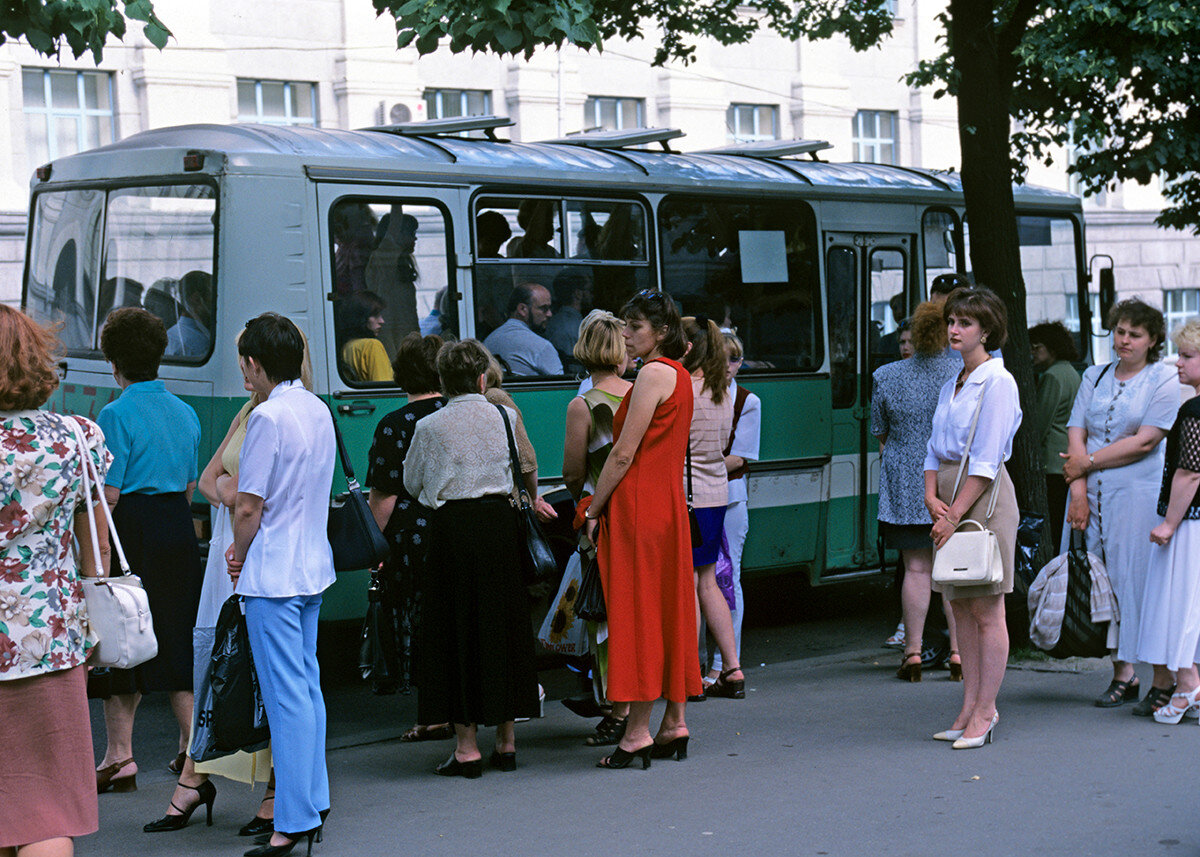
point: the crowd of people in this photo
(657, 468)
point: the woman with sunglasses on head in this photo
(638, 520)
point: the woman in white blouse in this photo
(475, 654)
(977, 323)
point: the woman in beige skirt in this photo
(976, 322)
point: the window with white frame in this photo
(874, 136)
(746, 123)
(1179, 307)
(277, 102)
(66, 112)
(614, 114)
(449, 103)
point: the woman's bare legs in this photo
(506, 737)
(951, 625)
(637, 732)
(466, 748)
(968, 648)
(185, 797)
(119, 712)
(716, 613)
(60, 846)
(181, 706)
(914, 596)
(673, 724)
(984, 638)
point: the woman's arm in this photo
(208, 484)
(83, 532)
(382, 505)
(968, 493)
(654, 385)
(574, 468)
(1127, 450)
(1183, 490)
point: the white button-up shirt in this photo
(998, 420)
(287, 459)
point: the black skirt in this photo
(906, 537)
(160, 544)
(475, 657)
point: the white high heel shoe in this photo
(1170, 714)
(975, 743)
(955, 734)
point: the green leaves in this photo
(84, 25)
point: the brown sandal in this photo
(428, 733)
(954, 666)
(910, 671)
(106, 778)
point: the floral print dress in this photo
(43, 618)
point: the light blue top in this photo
(525, 352)
(188, 338)
(154, 438)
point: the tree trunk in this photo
(984, 92)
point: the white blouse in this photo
(459, 453)
(999, 419)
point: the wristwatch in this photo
(1091, 460)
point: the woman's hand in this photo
(1161, 534)
(544, 511)
(1078, 512)
(1075, 465)
(232, 564)
(590, 525)
(937, 509)
(943, 529)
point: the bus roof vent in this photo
(601, 139)
(772, 148)
(444, 127)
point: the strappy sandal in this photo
(428, 733)
(726, 687)
(954, 666)
(1118, 693)
(609, 731)
(910, 671)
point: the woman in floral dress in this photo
(47, 790)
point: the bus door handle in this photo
(356, 408)
(62, 366)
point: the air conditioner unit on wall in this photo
(398, 113)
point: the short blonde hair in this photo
(495, 373)
(1188, 336)
(736, 351)
(601, 343)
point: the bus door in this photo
(869, 287)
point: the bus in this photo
(813, 263)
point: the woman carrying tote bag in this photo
(976, 324)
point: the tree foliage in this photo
(81, 25)
(518, 27)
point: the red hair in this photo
(29, 352)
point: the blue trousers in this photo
(283, 640)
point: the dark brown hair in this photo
(1137, 313)
(459, 366)
(133, 341)
(981, 304)
(1058, 340)
(928, 328)
(708, 354)
(415, 364)
(660, 311)
(29, 352)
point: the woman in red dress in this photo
(638, 520)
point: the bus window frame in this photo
(960, 247)
(108, 187)
(390, 387)
(820, 327)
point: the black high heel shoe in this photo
(266, 837)
(726, 687)
(506, 762)
(621, 757)
(258, 825)
(452, 767)
(208, 794)
(269, 850)
(676, 747)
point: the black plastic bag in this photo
(239, 720)
(378, 656)
(589, 603)
(1029, 540)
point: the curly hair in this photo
(1188, 335)
(459, 366)
(133, 341)
(415, 364)
(30, 353)
(1137, 313)
(928, 328)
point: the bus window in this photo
(940, 241)
(841, 280)
(750, 266)
(158, 254)
(159, 241)
(889, 306)
(391, 277)
(576, 254)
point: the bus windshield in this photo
(93, 250)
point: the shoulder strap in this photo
(739, 402)
(1103, 372)
(962, 462)
(343, 456)
(514, 461)
(91, 477)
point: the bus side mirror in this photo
(1108, 293)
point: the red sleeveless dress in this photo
(645, 556)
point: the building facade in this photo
(332, 63)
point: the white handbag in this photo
(971, 556)
(117, 607)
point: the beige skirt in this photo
(1003, 523)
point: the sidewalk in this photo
(827, 755)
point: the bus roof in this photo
(272, 146)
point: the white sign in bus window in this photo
(764, 256)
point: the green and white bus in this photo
(812, 263)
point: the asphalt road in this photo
(829, 754)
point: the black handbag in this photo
(589, 603)
(537, 560)
(239, 720)
(356, 539)
(1080, 636)
(693, 521)
(377, 652)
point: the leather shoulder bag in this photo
(971, 556)
(356, 539)
(117, 607)
(537, 560)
